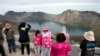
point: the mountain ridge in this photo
(66, 17)
(74, 17)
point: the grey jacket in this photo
(9, 34)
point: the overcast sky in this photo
(48, 6)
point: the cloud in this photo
(24, 2)
(49, 6)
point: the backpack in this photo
(90, 49)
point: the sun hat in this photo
(89, 36)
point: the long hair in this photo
(37, 32)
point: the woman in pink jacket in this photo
(61, 47)
(37, 40)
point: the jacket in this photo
(37, 39)
(83, 46)
(1, 37)
(9, 34)
(46, 39)
(24, 37)
(60, 49)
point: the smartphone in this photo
(26, 26)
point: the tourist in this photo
(60, 47)
(2, 52)
(88, 44)
(37, 40)
(24, 37)
(46, 42)
(9, 32)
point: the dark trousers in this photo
(11, 46)
(2, 52)
(83, 53)
(27, 48)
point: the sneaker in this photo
(29, 55)
(22, 55)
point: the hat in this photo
(45, 29)
(89, 36)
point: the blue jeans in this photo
(11, 45)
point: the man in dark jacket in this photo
(1, 41)
(24, 37)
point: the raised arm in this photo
(29, 27)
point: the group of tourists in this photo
(42, 40)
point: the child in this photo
(46, 42)
(37, 39)
(61, 47)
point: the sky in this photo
(48, 6)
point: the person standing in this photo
(24, 37)
(9, 32)
(88, 44)
(2, 52)
(46, 42)
(60, 47)
(37, 40)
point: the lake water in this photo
(55, 27)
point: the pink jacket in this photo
(60, 49)
(46, 40)
(37, 40)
